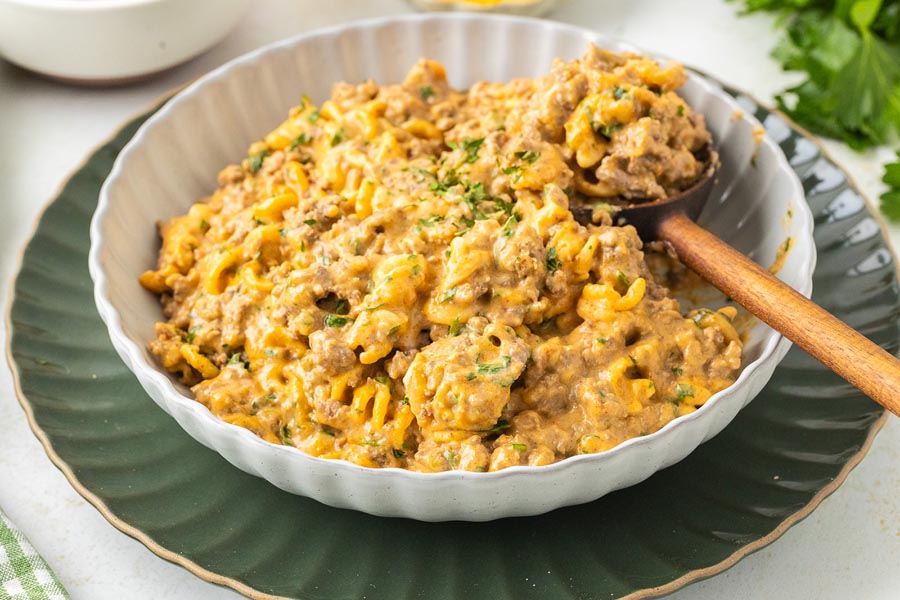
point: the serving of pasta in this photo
(394, 278)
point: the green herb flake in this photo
(313, 116)
(528, 156)
(310, 222)
(192, 333)
(336, 320)
(683, 391)
(383, 379)
(256, 161)
(455, 328)
(681, 110)
(552, 262)
(285, 435)
(448, 295)
(393, 330)
(493, 368)
(623, 279)
(471, 147)
(430, 221)
(398, 453)
(601, 341)
(338, 137)
(890, 200)
(300, 140)
(204, 226)
(471, 376)
(452, 459)
(520, 447)
(619, 92)
(510, 226)
(502, 425)
(426, 92)
(678, 371)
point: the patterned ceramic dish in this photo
(749, 207)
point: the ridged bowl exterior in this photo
(175, 156)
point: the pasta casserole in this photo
(394, 278)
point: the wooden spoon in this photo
(845, 351)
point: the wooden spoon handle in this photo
(843, 350)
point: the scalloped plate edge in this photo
(242, 588)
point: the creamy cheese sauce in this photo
(394, 278)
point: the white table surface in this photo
(848, 548)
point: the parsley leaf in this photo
(336, 320)
(552, 262)
(426, 92)
(470, 147)
(890, 200)
(849, 53)
(256, 161)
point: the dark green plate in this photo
(783, 454)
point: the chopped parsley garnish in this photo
(619, 92)
(421, 171)
(310, 222)
(398, 453)
(342, 307)
(470, 146)
(512, 170)
(426, 92)
(452, 458)
(601, 341)
(237, 359)
(204, 225)
(493, 368)
(383, 379)
(300, 140)
(327, 430)
(336, 320)
(529, 156)
(338, 137)
(623, 279)
(678, 370)
(455, 328)
(393, 330)
(313, 116)
(448, 295)
(192, 333)
(501, 425)
(431, 220)
(256, 161)
(510, 226)
(552, 262)
(520, 447)
(285, 435)
(471, 376)
(607, 131)
(890, 200)
(683, 391)
(271, 353)
(681, 110)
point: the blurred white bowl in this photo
(106, 41)
(174, 159)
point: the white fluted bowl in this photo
(175, 156)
